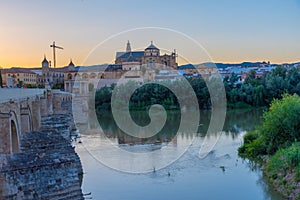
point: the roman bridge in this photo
(21, 111)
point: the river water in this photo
(221, 174)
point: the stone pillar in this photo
(57, 101)
(36, 114)
(25, 120)
(50, 103)
(4, 133)
(70, 86)
(80, 87)
(43, 106)
(85, 88)
(65, 86)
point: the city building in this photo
(52, 76)
(150, 56)
(18, 76)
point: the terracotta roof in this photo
(17, 70)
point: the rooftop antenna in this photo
(55, 47)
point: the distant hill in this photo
(225, 65)
(206, 64)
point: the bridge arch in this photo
(14, 133)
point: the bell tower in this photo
(45, 66)
(128, 47)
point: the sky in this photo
(229, 31)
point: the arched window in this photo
(70, 76)
(85, 76)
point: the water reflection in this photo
(236, 122)
(167, 134)
(188, 177)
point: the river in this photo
(221, 174)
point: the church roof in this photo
(132, 54)
(130, 58)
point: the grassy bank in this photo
(283, 171)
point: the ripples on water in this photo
(220, 175)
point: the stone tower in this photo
(47, 76)
(45, 67)
(128, 47)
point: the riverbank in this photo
(282, 171)
(274, 144)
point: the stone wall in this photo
(60, 123)
(47, 168)
(4, 137)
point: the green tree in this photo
(58, 86)
(250, 77)
(293, 81)
(20, 83)
(258, 96)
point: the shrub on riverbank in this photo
(253, 147)
(280, 128)
(276, 141)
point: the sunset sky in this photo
(229, 31)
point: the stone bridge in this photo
(21, 111)
(35, 127)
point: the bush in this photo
(280, 128)
(250, 136)
(281, 124)
(253, 149)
